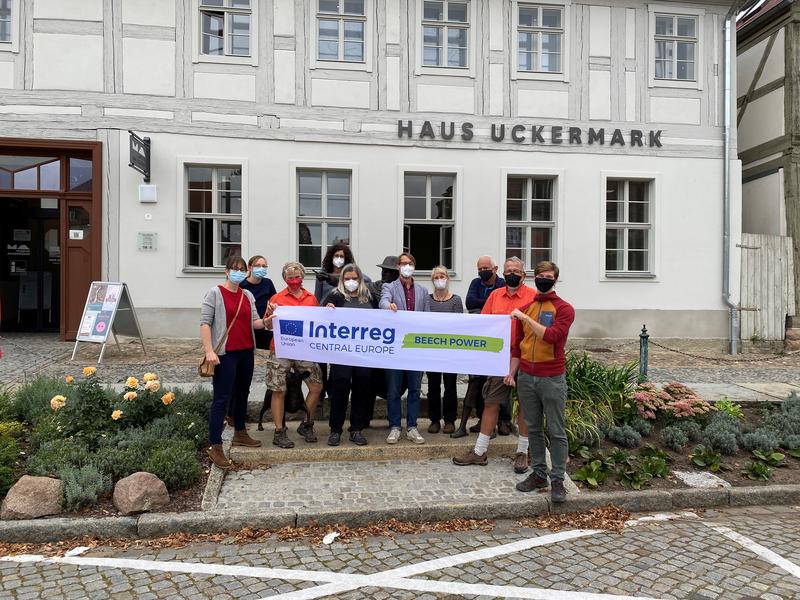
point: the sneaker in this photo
(470, 458)
(449, 427)
(306, 430)
(532, 482)
(413, 435)
(557, 492)
(476, 428)
(394, 436)
(504, 428)
(434, 427)
(281, 439)
(334, 438)
(521, 462)
(358, 438)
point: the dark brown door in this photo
(77, 231)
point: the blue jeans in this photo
(394, 385)
(231, 380)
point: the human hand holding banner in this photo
(412, 341)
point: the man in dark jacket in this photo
(484, 284)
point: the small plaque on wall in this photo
(147, 241)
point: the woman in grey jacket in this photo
(227, 305)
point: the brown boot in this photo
(470, 458)
(229, 421)
(242, 438)
(521, 462)
(218, 457)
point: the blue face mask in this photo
(260, 272)
(237, 277)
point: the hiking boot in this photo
(413, 435)
(242, 438)
(532, 482)
(476, 428)
(358, 438)
(449, 427)
(557, 492)
(334, 438)
(306, 431)
(520, 462)
(394, 435)
(434, 427)
(281, 439)
(218, 457)
(504, 428)
(470, 458)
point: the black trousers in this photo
(435, 403)
(351, 384)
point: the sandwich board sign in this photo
(108, 309)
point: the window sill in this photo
(675, 83)
(448, 71)
(630, 276)
(200, 271)
(7, 47)
(540, 76)
(227, 60)
(338, 65)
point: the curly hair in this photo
(327, 262)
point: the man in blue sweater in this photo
(484, 284)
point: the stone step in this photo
(438, 445)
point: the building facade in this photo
(586, 133)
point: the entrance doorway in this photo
(30, 265)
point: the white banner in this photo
(413, 341)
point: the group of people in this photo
(237, 317)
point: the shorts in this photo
(495, 391)
(277, 368)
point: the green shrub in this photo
(55, 455)
(730, 407)
(32, 400)
(762, 439)
(46, 429)
(722, 433)
(594, 473)
(757, 470)
(175, 463)
(9, 461)
(620, 457)
(196, 401)
(772, 459)
(791, 442)
(642, 426)
(692, 429)
(655, 466)
(83, 485)
(625, 435)
(650, 451)
(674, 438)
(723, 420)
(633, 477)
(707, 458)
(8, 411)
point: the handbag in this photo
(205, 368)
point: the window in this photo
(213, 215)
(675, 47)
(530, 218)
(225, 27)
(429, 218)
(540, 37)
(628, 226)
(445, 32)
(341, 30)
(323, 213)
(5, 21)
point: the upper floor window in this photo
(675, 47)
(628, 227)
(323, 213)
(540, 36)
(225, 27)
(341, 30)
(445, 33)
(5, 21)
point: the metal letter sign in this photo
(140, 155)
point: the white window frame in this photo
(700, 59)
(654, 240)
(197, 38)
(458, 198)
(183, 162)
(566, 6)
(13, 44)
(369, 25)
(298, 165)
(473, 35)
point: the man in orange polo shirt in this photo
(293, 295)
(502, 301)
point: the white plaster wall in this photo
(284, 17)
(543, 103)
(159, 13)
(600, 95)
(7, 75)
(68, 62)
(75, 10)
(599, 31)
(343, 94)
(225, 86)
(675, 110)
(763, 207)
(746, 65)
(445, 98)
(762, 120)
(775, 65)
(148, 67)
(284, 76)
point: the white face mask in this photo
(440, 284)
(407, 271)
(351, 285)
(338, 262)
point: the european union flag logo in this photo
(289, 327)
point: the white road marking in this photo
(765, 553)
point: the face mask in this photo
(440, 284)
(338, 262)
(388, 275)
(543, 284)
(294, 282)
(260, 272)
(351, 285)
(485, 275)
(236, 277)
(407, 271)
(513, 280)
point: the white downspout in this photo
(733, 309)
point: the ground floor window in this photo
(429, 218)
(530, 219)
(323, 213)
(628, 238)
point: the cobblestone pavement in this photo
(729, 554)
